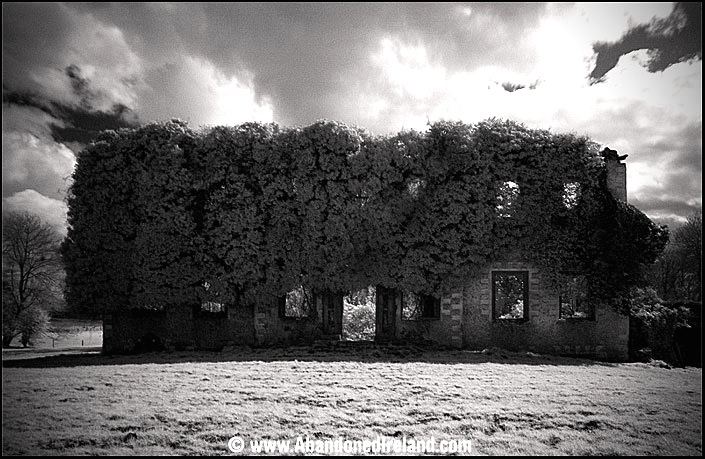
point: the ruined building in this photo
(508, 305)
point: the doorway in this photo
(359, 315)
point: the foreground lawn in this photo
(192, 403)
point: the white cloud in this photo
(407, 70)
(195, 90)
(562, 99)
(52, 211)
(30, 158)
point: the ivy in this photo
(162, 214)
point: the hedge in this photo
(162, 214)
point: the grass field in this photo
(192, 403)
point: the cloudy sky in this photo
(627, 75)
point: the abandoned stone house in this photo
(508, 306)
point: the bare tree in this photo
(677, 274)
(31, 274)
(689, 239)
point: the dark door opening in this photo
(332, 315)
(386, 314)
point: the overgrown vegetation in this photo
(359, 309)
(667, 317)
(256, 208)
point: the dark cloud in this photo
(665, 207)
(511, 87)
(75, 124)
(80, 85)
(672, 188)
(677, 38)
(688, 146)
(82, 125)
(678, 148)
(33, 36)
(676, 195)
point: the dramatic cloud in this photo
(307, 57)
(42, 41)
(70, 70)
(671, 40)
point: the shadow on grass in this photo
(362, 352)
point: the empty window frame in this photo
(573, 301)
(571, 194)
(510, 295)
(414, 186)
(507, 199)
(211, 306)
(297, 303)
(420, 306)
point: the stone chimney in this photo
(616, 173)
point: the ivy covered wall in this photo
(166, 215)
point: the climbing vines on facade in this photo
(163, 214)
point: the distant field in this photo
(67, 334)
(192, 403)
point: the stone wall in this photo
(467, 321)
(183, 327)
(213, 331)
(605, 336)
(445, 330)
(273, 329)
(176, 327)
(123, 330)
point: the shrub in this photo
(654, 325)
(359, 321)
